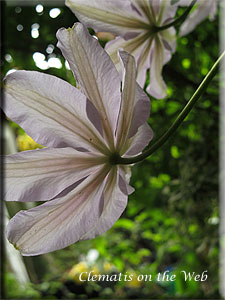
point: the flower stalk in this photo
(177, 20)
(198, 93)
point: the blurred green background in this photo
(171, 221)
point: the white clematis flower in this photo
(203, 9)
(83, 129)
(134, 23)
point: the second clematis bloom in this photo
(135, 23)
(202, 10)
(83, 130)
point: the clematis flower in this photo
(202, 10)
(135, 23)
(83, 130)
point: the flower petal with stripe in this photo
(51, 111)
(40, 175)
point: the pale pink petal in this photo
(124, 179)
(143, 62)
(50, 110)
(94, 72)
(114, 16)
(135, 105)
(168, 38)
(42, 174)
(141, 48)
(143, 8)
(184, 2)
(155, 7)
(137, 143)
(212, 13)
(60, 222)
(141, 111)
(157, 87)
(128, 99)
(115, 201)
(135, 46)
(94, 116)
(166, 12)
(202, 11)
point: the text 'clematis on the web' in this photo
(83, 130)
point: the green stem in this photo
(178, 20)
(202, 87)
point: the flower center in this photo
(114, 158)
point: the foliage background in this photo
(171, 221)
